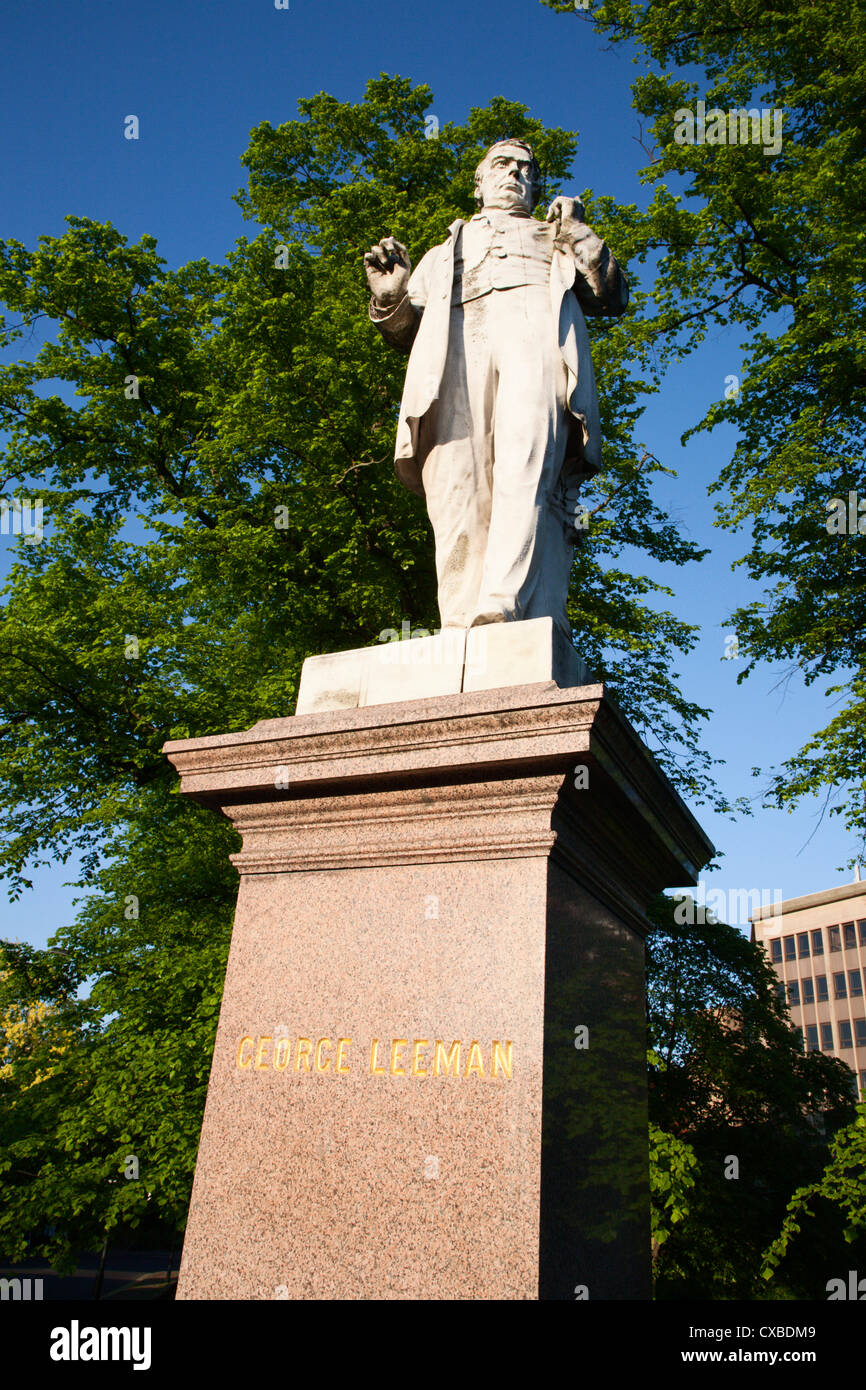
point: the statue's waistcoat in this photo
(501, 255)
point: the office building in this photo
(817, 946)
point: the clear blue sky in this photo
(200, 74)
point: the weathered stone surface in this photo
(416, 668)
(499, 421)
(482, 658)
(433, 871)
(502, 654)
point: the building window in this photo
(802, 944)
(812, 1037)
(840, 989)
(855, 984)
(776, 949)
(808, 990)
(826, 1037)
(818, 942)
(835, 938)
(794, 994)
(845, 1039)
(821, 982)
(860, 1031)
(863, 1084)
(850, 939)
(780, 990)
(862, 929)
(789, 948)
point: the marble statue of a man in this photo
(499, 418)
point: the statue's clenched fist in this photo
(571, 228)
(388, 269)
(566, 210)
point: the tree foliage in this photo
(773, 246)
(739, 1117)
(843, 1183)
(671, 1166)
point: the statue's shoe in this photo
(496, 616)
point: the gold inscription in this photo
(443, 1061)
(399, 1057)
(417, 1069)
(502, 1058)
(397, 1046)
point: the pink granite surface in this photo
(405, 874)
(324, 1184)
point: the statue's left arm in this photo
(600, 285)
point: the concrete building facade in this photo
(817, 946)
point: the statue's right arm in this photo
(399, 324)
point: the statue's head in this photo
(508, 177)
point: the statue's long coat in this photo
(583, 273)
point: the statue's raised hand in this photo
(568, 212)
(388, 269)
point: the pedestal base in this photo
(429, 1078)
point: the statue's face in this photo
(506, 179)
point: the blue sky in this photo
(199, 74)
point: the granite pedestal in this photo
(429, 1078)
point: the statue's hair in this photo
(534, 168)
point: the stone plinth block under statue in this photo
(429, 1077)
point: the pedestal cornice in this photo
(455, 777)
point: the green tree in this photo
(118, 1069)
(671, 1165)
(730, 1082)
(842, 1184)
(773, 245)
(213, 448)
